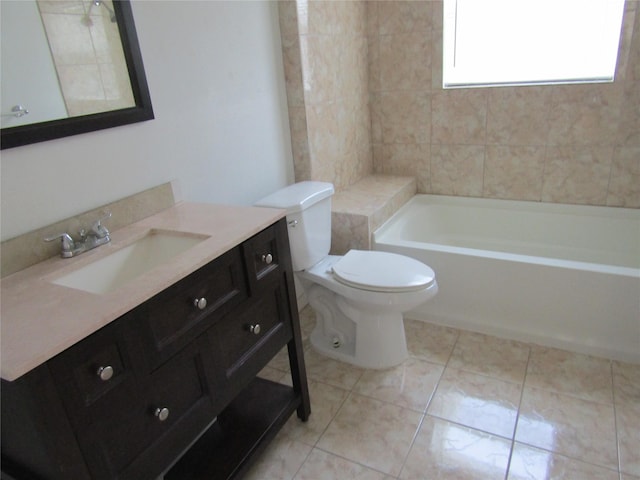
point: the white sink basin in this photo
(115, 270)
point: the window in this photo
(528, 42)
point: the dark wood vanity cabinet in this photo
(171, 387)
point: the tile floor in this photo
(463, 406)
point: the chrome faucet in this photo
(96, 236)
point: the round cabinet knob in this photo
(255, 329)
(267, 258)
(201, 303)
(162, 413)
(105, 373)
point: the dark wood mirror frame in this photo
(40, 132)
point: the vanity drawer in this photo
(244, 341)
(92, 369)
(176, 316)
(263, 255)
(134, 436)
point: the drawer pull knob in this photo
(162, 413)
(201, 303)
(267, 258)
(255, 329)
(105, 373)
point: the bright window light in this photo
(529, 42)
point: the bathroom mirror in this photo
(103, 30)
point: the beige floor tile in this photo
(492, 356)
(409, 385)
(280, 461)
(281, 361)
(529, 463)
(326, 400)
(567, 425)
(570, 373)
(372, 433)
(477, 401)
(321, 465)
(430, 342)
(627, 405)
(326, 370)
(270, 373)
(445, 450)
(307, 322)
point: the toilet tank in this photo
(308, 206)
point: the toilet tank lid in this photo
(298, 196)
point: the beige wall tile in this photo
(412, 159)
(457, 169)
(405, 117)
(624, 184)
(577, 175)
(630, 115)
(404, 16)
(518, 115)
(405, 62)
(584, 114)
(513, 172)
(459, 116)
(381, 61)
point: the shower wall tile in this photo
(577, 175)
(411, 159)
(348, 231)
(459, 116)
(405, 62)
(514, 172)
(630, 115)
(292, 70)
(457, 169)
(584, 114)
(404, 17)
(288, 18)
(518, 115)
(375, 67)
(405, 117)
(326, 72)
(624, 185)
(523, 131)
(299, 143)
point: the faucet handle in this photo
(98, 229)
(66, 243)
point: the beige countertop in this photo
(39, 319)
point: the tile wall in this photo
(325, 58)
(564, 144)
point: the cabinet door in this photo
(244, 341)
(264, 254)
(133, 428)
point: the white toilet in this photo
(358, 298)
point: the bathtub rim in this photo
(382, 234)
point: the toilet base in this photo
(363, 338)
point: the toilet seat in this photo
(382, 272)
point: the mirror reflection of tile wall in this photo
(87, 53)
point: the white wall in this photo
(221, 130)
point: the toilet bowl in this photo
(358, 298)
(359, 303)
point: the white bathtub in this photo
(566, 276)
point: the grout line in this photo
(615, 418)
(515, 426)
